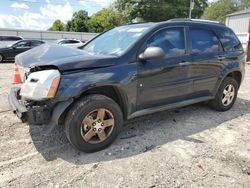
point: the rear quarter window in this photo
(229, 40)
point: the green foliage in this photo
(58, 26)
(160, 10)
(103, 20)
(219, 9)
(244, 4)
(78, 23)
(133, 10)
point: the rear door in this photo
(165, 81)
(207, 55)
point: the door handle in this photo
(184, 63)
(221, 58)
(232, 57)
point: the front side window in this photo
(170, 40)
(204, 41)
(22, 44)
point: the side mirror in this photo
(152, 53)
(13, 47)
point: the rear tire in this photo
(93, 123)
(226, 95)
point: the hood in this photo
(63, 57)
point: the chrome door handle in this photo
(221, 58)
(184, 63)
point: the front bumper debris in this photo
(33, 115)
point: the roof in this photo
(245, 11)
(194, 20)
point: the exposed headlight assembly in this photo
(41, 85)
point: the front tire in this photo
(226, 95)
(93, 123)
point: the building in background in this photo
(239, 22)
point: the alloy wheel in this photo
(228, 95)
(97, 126)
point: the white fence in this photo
(47, 36)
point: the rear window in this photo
(229, 40)
(204, 41)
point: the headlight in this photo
(41, 85)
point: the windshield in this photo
(117, 40)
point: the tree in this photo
(125, 11)
(218, 10)
(78, 23)
(128, 11)
(244, 4)
(161, 10)
(58, 25)
(103, 20)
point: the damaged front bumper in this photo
(33, 115)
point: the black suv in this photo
(126, 72)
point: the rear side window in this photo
(204, 41)
(73, 41)
(229, 40)
(36, 43)
(171, 40)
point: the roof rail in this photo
(197, 20)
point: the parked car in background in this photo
(126, 72)
(70, 42)
(5, 40)
(8, 53)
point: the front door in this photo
(165, 81)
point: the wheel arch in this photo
(236, 74)
(111, 91)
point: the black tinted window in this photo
(203, 41)
(73, 41)
(229, 40)
(22, 44)
(171, 40)
(36, 43)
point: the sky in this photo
(40, 14)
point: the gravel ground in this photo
(189, 147)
